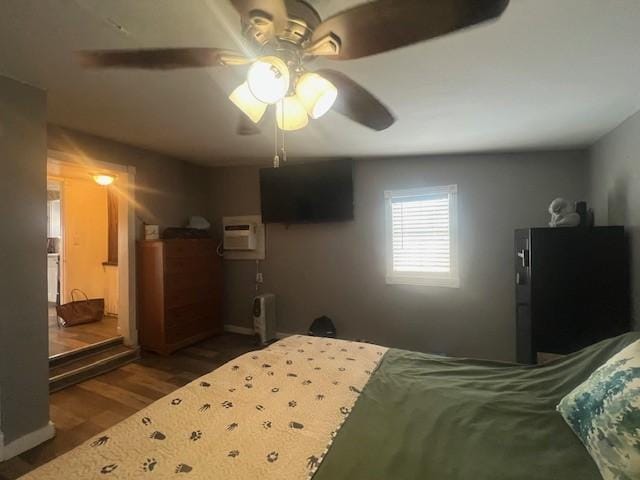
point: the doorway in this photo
(90, 241)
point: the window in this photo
(422, 236)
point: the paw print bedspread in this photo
(269, 414)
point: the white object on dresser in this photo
(151, 232)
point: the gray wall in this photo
(168, 190)
(615, 190)
(24, 392)
(338, 269)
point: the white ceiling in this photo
(548, 74)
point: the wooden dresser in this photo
(179, 293)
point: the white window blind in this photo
(421, 236)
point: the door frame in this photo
(60, 274)
(127, 323)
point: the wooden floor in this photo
(84, 410)
(65, 339)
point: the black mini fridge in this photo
(572, 288)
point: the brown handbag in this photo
(77, 312)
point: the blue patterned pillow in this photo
(604, 412)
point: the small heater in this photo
(264, 317)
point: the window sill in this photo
(424, 281)
(110, 264)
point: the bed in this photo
(333, 409)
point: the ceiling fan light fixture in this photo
(247, 103)
(291, 114)
(316, 93)
(268, 79)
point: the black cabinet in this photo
(572, 288)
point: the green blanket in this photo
(437, 418)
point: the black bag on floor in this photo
(322, 327)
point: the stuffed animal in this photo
(563, 214)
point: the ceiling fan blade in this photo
(383, 25)
(265, 17)
(357, 103)
(161, 58)
(246, 127)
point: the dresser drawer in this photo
(197, 264)
(186, 313)
(190, 328)
(189, 293)
(185, 248)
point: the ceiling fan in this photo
(286, 35)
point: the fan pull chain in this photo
(276, 158)
(284, 150)
(282, 155)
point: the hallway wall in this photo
(85, 238)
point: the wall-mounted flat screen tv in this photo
(307, 193)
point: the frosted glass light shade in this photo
(103, 179)
(295, 115)
(268, 79)
(245, 101)
(316, 93)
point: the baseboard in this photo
(26, 442)
(281, 335)
(237, 329)
(249, 331)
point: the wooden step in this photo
(92, 363)
(65, 357)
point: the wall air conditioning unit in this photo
(243, 237)
(240, 236)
